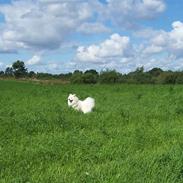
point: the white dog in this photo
(85, 106)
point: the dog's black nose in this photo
(70, 100)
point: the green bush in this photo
(155, 72)
(170, 78)
(179, 79)
(109, 76)
(77, 78)
(89, 78)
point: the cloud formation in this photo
(127, 13)
(40, 24)
(1, 64)
(160, 49)
(115, 46)
(91, 28)
(45, 26)
(35, 60)
(170, 42)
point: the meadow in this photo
(134, 135)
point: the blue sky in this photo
(61, 36)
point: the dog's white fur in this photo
(84, 106)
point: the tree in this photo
(92, 71)
(109, 76)
(32, 74)
(41, 75)
(77, 72)
(143, 78)
(66, 76)
(77, 77)
(89, 78)
(9, 71)
(179, 79)
(1, 73)
(19, 69)
(139, 70)
(155, 72)
(170, 78)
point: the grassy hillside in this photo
(135, 134)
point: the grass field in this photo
(135, 134)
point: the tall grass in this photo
(135, 134)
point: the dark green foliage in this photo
(92, 71)
(44, 75)
(77, 77)
(139, 76)
(66, 76)
(90, 78)
(109, 76)
(170, 78)
(1, 73)
(179, 79)
(139, 70)
(142, 77)
(155, 72)
(32, 74)
(77, 72)
(9, 71)
(19, 69)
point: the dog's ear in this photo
(74, 94)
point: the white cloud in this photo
(54, 66)
(35, 60)
(90, 28)
(158, 48)
(38, 25)
(176, 38)
(153, 49)
(127, 13)
(45, 24)
(170, 42)
(1, 65)
(116, 46)
(150, 8)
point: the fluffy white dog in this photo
(85, 106)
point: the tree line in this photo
(139, 76)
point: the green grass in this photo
(135, 134)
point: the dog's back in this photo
(88, 104)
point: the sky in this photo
(60, 36)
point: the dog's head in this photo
(72, 99)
